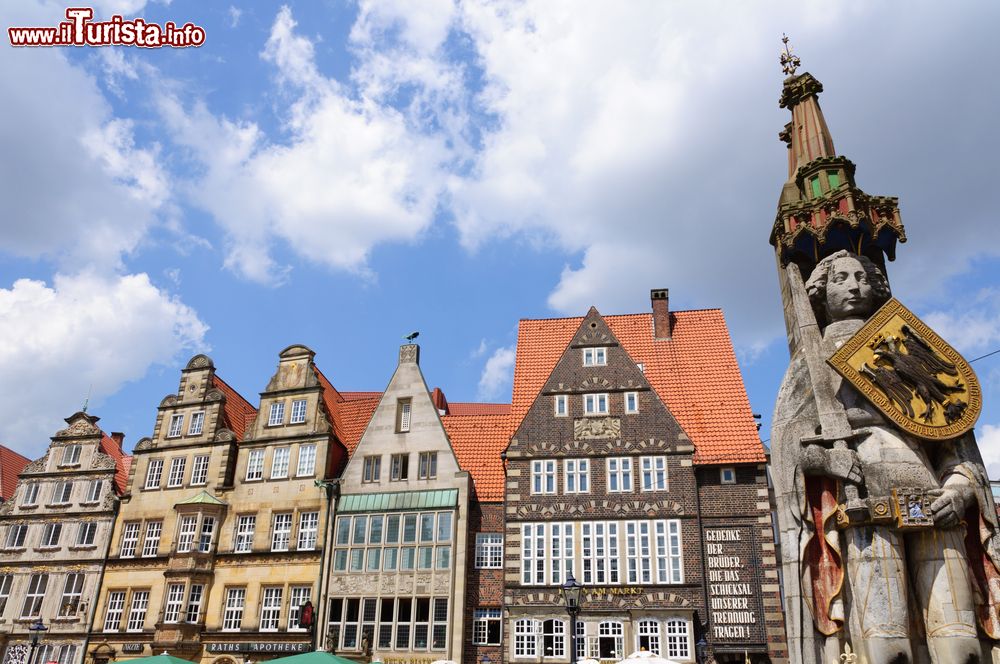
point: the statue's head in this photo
(845, 285)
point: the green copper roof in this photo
(202, 498)
(402, 500)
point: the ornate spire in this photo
(821, 209)
(789, 62)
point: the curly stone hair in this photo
(816, 284)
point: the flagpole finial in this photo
(789, 62)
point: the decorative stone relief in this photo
(143, 444)
(597, 427)
(168, 400)
(622, 507)
(199, 362)
(224, 435)
(537, 599)
(38, 465)
(81, 426)
(442, 584)
(214, 394)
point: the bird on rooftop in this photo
(411, 336)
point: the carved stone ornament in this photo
(911, 375)
(144, 444)
(168, 400)
(38, 465)
(651, 508)
(214, 394)
(199, 362)
(597, 427)
(81, 426)
(224, 435)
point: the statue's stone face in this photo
(848, 293)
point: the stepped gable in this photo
(238, 413)
(11, 465)
(694, 372)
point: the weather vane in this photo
(789, 62)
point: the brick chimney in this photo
(660, 299)
(118, 437)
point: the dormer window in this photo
(276, 416)
(595, 357)
(595, 404)
(70, 455)
(403, 407)
(176, 422)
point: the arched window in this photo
(526, 638)
(678, 633)
(554, 638)
(648, 636)
(610, 640)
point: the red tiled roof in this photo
(694, 372)
(465, 409)
(11, 465)
(355, 396)
(238, 412)
(478, 441)
(123, 462)
(332, 400)
(355, 415)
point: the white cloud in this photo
(498, 374)
(234, 16)
(988, 437)
(83, 330)
(80, 191)
(350, 176)
(973, 325)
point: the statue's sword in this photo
(834, 425)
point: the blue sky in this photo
(340, 174)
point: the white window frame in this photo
(51, 534)
(86, 533)
(371, 468)
(69, 603)
(560, 405)
(306, 461)
(276, 414)
(405, 411)
(639, 560)
(197, 424)
(129, 539)
(595, 403)
(632, 407)
(482, 620)
(427, 463)
(154, 473)
(297, 597)
(137, 611)
(730, 471)
(669, 551)
(196, 595)
(280, 461)
(489, 551)
(176, 425)
(533, 556)
(576, 476)
(543, 477)
(281, 531)
(30, 498)
(206, 534)
(399, 467)
(94, 491)
(652, 468)
(619, 474)
(596, 356)
(562, 551)
(17, 535)
(678, 638)
(175, 477)
(174, 603)
(246, 526)
(558, 636)
(71, 455)
(270, 608)
(114, 610)
(186, 530)
(151, 539)
(34, 595)
(298, 414)
(526, 631)
(308, 531)
(62, 492)
(255, 465)
(199, 470)
(232, 616)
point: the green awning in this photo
(160, 659)
(317, 657)
(401, 500)
(202, 498)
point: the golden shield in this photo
(911, 375)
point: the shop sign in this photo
(257, 647)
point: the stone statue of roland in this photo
(923, 595)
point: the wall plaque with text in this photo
(735, 607)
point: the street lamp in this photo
(37, 631)
(701, 650)
(571, 592)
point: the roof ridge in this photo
(636, 313)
